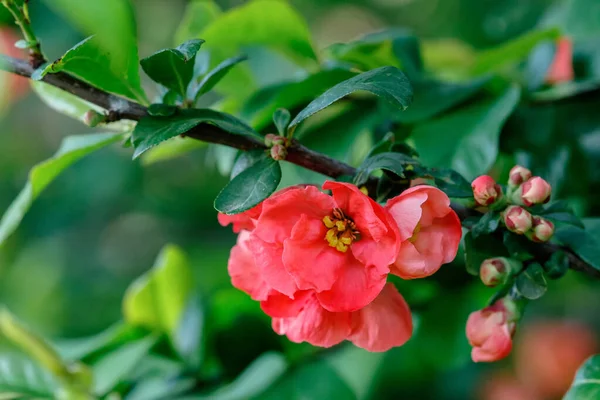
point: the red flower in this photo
(490, 331)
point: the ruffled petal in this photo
(243, 221)
(268, 259)
(278, 305)
(383, 324)
(406, 210)
(245, 275)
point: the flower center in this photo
(342, 230)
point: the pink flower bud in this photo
(278, 152)
(269, 139)
(485, 190)
(535, 191)
(494, 271)
(517, 219)
(561, 69)
(542, 230)
(518, 175)
(93, 118)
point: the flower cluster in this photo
(319, 263)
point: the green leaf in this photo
(197, 16)
(447, 180)
(113, 24)
(566, 90)
(215, 75)
(157, 299)
(245, 160)
(384, 145)
(512, 52)
(518, 246)
(488, 223)
(173, 68)
(531, 283)
(467, 139)
(479, 249)
(151, 131)
(586, 385)
(72, 149)
(187, 339)
(565, 218)
(115, 366)
(250, 187)
(558, 265)
(176, 147)
(582, 242)
(393, 162)
(22, 378)
(357, 367)
(387, 82)
(161, 388)
(281, 119)
(94, 66)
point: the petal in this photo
(242, 221)
(406, 210)
(308, 257)
(245, 275)
(281, 212)
(383, 324)
(268, 259)
(357, 285)
(315, 325)
(496, 347)
(281, 306)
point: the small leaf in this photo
(250, 187)
(281, 119)
(393, 162)
(582, 242)
(449, 181)
(517, 246)
(215, 75)
(387, 82)
(173, 68)
(479, 249)
(586, 385)
(531, 283)
(558, 265)
(245, 160)
(488, 223)
(21, 44)
(151, 131)
(383, 146)
(72, 149)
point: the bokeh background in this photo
(103, 221)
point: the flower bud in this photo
(518, 175)
(517, 219)
(542, 230)
(269, 139)
(495, 271)
(535, 191)
(561, 69)
(93, 118)
(278, 152)
(485, 190)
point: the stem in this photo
(297, 153)
(21, 16)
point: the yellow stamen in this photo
(341, 247)
(341, 226)
(364, 190)
(331, 237)
(341, 230)
(415, 234)
(346, 240)
(328, 222)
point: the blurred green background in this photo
(103, 221)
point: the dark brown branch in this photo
(297, 153)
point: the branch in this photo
(297, 153)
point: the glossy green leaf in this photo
(488, 223)
(281, 119)
(531, 283)
(518, 246)
(23, 379)
(72, 149)
(393, 162)
(586, 385)
(151, 131)
(582, 242)
(245, 160)
(250, 187)
(558, 265)
(173, 68)
(213, 77)
(197, 16)
(387, 82)
(113, 24)
(157, 299)
(446, 179)
(467, 139)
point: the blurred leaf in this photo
(583, 243)
(538, 63)
(384, 145)
(357, 367)
(393, 162)
(467, 139)
(511, 52)
(173, 68)
(157, 299)
(115, 366)
(581, 18)
(586, 385)
(215, 75)
(187, 339)
(113, 24)
(73, 106)
(564, 217)
(281, 119)
(565, 90)
(21, 378)
(197, 16)
(94, 66)
(173, 148)
(518, 246)
(531, 283)
(250, 187)
(151, 131)
(487, 224)
(72, 149)
(557, 266)
(160, 388)
(387, 82)
(447, 180)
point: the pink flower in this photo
(518, 175)
(485, 190)
(490, 331)
(542, 230)
(339, 246)
(243, 271)
(561, 69)
(429, 229)
(243, 221)
(517, 219)
(494, 271)
(535, 191)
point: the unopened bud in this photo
(561, 69)
(542, 230)
(93, 118)
(269, 139)
(535, 191)
(518, 175)
(517, 219)
(278, 152)
(495, 271)
(485, 190)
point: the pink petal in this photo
(406, 210)
(308, 257)
(268, 259)
(245, 275)
(242, 221)
(383, 324)
(281, 306)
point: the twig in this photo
(297, 153)
(21, 16)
